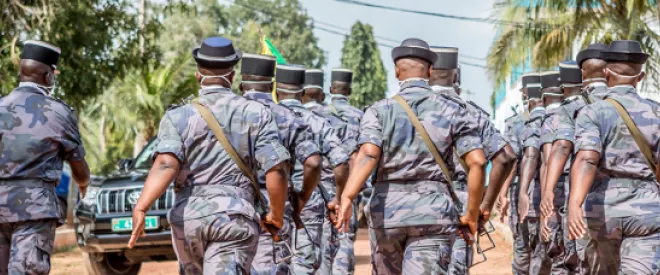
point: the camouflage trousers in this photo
(329, 248)
(461, 253)
(344, 263)
(307, 247)
(560, 249)
(273, 258)
(623, 245)
(521, 251)
(414, 250)
(540, 263)
(216, 244)
(25, 247)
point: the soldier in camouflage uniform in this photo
(215, 225)
(592, 70)
(565, 258)
(614, 196)
(296, 135)
(412, 219)
(37, 134)
(513, 131)
(443, 80)
(530, 184)
(340, 90)
(307, 259)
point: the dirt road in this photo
(499, 260)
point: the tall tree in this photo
(283, 21)
(99, 41)
(360, 54)
(550, 29)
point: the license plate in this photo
(126, 224)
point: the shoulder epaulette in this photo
(63, 103)
(458, 101)
(478, 107)
(173, 106)
(365, 108)
(534, 119)
(569, 100)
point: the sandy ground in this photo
(499, 260)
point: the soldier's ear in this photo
(350, 91)
(322, 96)
(641, 77)
(198, 76)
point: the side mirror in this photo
(125, 164)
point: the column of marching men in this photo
(272, 187)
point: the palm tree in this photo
(542, 33)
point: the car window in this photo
(144, 161)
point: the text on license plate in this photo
(126, 224)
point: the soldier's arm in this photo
(561, 150)
(307, 152)
(529, 163)
(80, 173)
(476, 176)
(589, 147)
(546, 148)
(311, 177)
(365, 162)
(74, 150)
(503, 162)
(338, 156)
(277, 182)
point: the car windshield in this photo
(144, 161)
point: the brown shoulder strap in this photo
(425, 136)
(333, 109)
(460, 160)
(216, 129)
(635, 132)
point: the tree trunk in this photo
(138, 144)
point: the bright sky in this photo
(472, 38)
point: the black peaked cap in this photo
(217, 53)
(625, 51)
(314, 77)
(569, 72)
(414, 47)
(592, 51)
(530, 78)
(341, 75)
(549, 79)
(258, 65)
(42, 52)
(290, 74)
(447, 58)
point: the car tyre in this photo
(109, 264)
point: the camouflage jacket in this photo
(37, 134)
(408, 189)
(347, 136)
(327, 139)
(532, 138)
(350, 114)
(624, 185)
(219, 185)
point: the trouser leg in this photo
(307, 247)
(540, 264)
(602, 245)
(31, 247)
(640, 249)
(461, 257)
(344, 263)
(387, 248)
(329, 247)
(521, 250)
(427, 250)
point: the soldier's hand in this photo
(547, 205)
(545, 229)
(138, 227)
(471, 224)
(333, 207)
(301, 203)
(344, 215)
(576, 226)
(484, 215)
(523, 206)
(273, 221)
(503, 207)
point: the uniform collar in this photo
(213, 89)
(444, 89)
(312, 104)
(623, 89)
(259, 96)
(33, 85)
(339, 98)
(538, 109)
(596, 84)
(291, 102)
(414, 83)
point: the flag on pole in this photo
(268, 48)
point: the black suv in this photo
(103, 221)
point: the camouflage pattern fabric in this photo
(522, 253)
(37, 134)
(26, 247)
(216, 244)
(540, 264)
(348, 138)
(224, 188)
(461, 254)
(621, 209)
(345, 259)
(418, 250)
(410, 201)
(330, 246)
(307, 245)
(531, 137)
(327, 136)
(270, 257)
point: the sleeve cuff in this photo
(564, 134)
(76, 154)
(587, 146)
(169, 146)
(467, 144)
(373, 138)
(271, 155)
(305, 150)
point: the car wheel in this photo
(109, 264)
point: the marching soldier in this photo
(296, 135)
(514, 127)
(581, 86)
(309, 242)
(412, 216)
(530, 176)
(37, 134)
(443, 80)
(215, 224)
(560, 250)
(340, 90)
(614, 194)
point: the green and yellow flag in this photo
(268, 48)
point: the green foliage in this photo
(550, 29)
(284, 22)
(360, 54)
